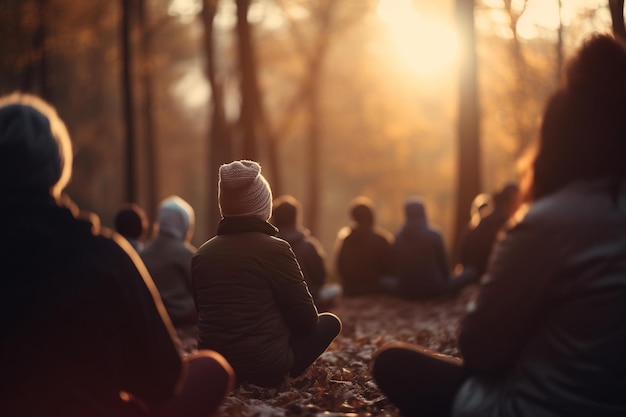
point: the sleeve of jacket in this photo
(511, 301)
(152, 366)
(292, 294)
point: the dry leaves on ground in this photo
(339, 382)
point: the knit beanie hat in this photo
(175, 218)
(243, 191)
(35, 152)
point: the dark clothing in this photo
(418, 381)
(479, 241)
(548, 333)
(78, 317)
(363, 257)
(251, 299)
(168, 260)
(420, 258)
(310, 256)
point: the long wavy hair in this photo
(583, 132)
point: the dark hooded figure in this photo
(419, 255)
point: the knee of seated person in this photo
(209, 364)
(332, 321)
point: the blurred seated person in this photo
(84, 329)
(547, 334)
(363, 251)
(168, 259)
(420, 260)
(479, 241)
(286, 216)
(131, 222)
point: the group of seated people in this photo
(89, 317)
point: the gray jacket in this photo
(548, 333)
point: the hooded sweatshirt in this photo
(420, 257)
(168, 259)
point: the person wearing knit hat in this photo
(243, 191)
(81, 318)
(168, 259)
(253, 303)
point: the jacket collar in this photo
(244, 224)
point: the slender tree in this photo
(128, 99)
(219, 136)
(150, 141)
(468, 168)
(617, 18)
(248, 81)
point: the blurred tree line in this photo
(157, 93)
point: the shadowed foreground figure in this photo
(81, 319)
(253, 303)
(548, 332)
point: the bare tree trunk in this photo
(220, 148)
(150, 142)
(40, 45)
(249, 87)
(559, 47)
(523, 131)
(617, 18)
(468, 171)
(128, 100)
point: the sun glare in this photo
(426, 45)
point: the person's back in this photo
(479, 241)
(420, 258)
(168, 259)
(363, 252)
(573, 248)
(307, 249)
(74, 297)
(253, 303)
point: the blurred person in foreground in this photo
(168, 259)
(84, 330)
(363, 252)
(286, 216)
(253, 303)
(547, 334)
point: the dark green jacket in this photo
(251, 299)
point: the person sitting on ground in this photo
(168, 259)
(363, 252)
(420, 259)
(479, 241)
(547, 334)
(84, 330)
(308, 250)
(254, 306)
(131, 222)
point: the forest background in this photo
(335, 98)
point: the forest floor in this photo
(339, 383)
